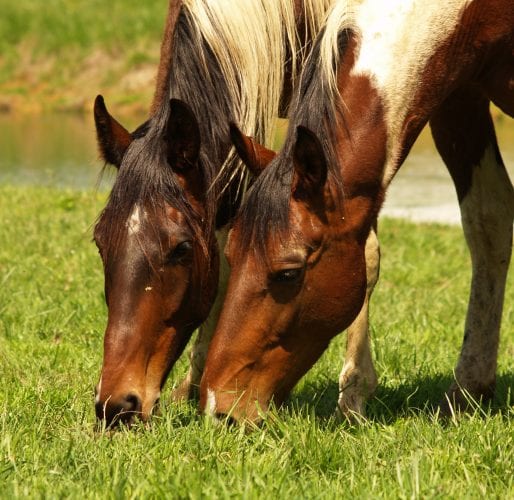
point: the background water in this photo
(423, 190)
(52, 149)
(60, 149)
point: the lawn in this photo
(56, 54)
(52, 317)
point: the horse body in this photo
(178, 181)
(376, 76)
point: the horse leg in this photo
(464, 134)
(188, 388)
(358, 379)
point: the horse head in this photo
(298, 277)
(160, 262)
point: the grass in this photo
(80, 24)
(52, 317)
(56, 54)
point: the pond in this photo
(60, 150)
(51, 149)
(423, 190)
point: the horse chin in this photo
(246, 396)
(151, 409)
(243, 407)
(250, 414)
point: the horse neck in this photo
(384, 105)
(402, 51)
(161, 93)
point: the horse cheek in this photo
(343, 288)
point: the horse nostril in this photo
(123, 410)
(132, 403)
(226, 419)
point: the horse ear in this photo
(254, 156)
(310, 164)
(183, 136)
(113, 138)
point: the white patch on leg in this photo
(487, 218)
(98, 389)
(490, 196)
(358, 378)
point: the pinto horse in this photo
(303, 252)
(179, 181)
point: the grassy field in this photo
(52, 317)
(58, 54)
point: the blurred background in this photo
(57, 55)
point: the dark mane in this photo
(316, 105)
(145, 177)
(196, 78)
(215, 85)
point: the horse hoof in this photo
(351, 410)
(459, 400)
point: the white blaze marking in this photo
(134, 221)
(398, 37)
(210, 408)
(98, 389)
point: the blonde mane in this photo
(250, 40)
(340, 17)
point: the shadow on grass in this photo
(420, 396)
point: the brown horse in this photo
(303, 253)
(178, 181)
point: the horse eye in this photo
(180, 253)
(287, 275)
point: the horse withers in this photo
(303, 251)
(178, 182)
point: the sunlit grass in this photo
(56, 26)
(52, 52)
(52, 316)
